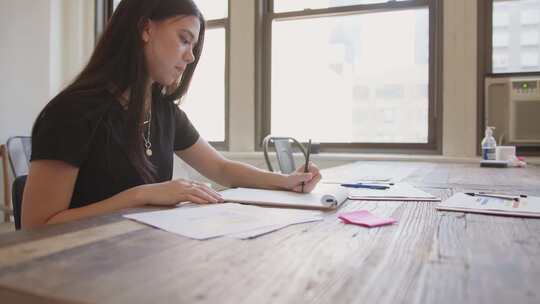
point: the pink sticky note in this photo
(365, 218)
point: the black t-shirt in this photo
(89, 132)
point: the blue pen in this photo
(366, 186)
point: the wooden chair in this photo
(7, 208)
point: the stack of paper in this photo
(524, 206)
(234, 220)
(397, 192)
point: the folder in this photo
(461, 202)
(397, 192)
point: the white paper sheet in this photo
(223, 219)
(399, 191)
(369, 172)
(265, 230)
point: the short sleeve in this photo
(185, 134)
(63, 132)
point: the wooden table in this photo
(427, 257)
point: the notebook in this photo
(323, 197)
(396, 192)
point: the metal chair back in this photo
(19, 149)
(284, 152)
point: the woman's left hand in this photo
(309, 179)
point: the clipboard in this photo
(322, 198)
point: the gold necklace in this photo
(148, 122)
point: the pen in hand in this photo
(306, 167)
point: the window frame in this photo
(225, 24)
(264, 18)
(485, 70)
(104, 10)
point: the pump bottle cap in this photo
(489, 131)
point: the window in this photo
(351, 74)
(208, 87)
(206, 101)
(515, 39)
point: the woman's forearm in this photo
(126, 199)
(237, 174)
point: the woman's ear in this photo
(146, 27)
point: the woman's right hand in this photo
(176, 191)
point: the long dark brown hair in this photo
(119, 61)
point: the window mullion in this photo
(348, 10)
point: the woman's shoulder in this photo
(67, 125)
(173, 106)
(84, 105)
(170, 108)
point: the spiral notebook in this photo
(323, 197)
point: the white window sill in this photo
(351, 157)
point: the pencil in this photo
(500, 196)
(306, 166)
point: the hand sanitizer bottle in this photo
(488, 145)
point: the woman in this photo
(107, 141)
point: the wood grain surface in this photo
(427, 257)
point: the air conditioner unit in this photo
(512, 106)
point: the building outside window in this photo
(516, 36)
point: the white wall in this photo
(24, 62)
(24, 65)
(44, 44)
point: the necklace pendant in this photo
(149, 152)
